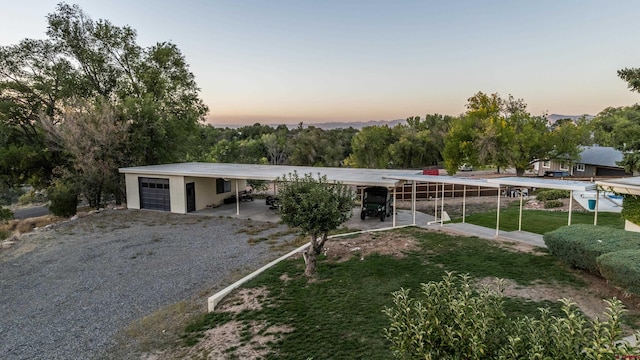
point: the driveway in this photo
(65, 292)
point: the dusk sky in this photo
(291, 61)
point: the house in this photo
(592, 161)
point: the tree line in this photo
(86, 100)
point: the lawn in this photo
(339, 315)
(540, 221)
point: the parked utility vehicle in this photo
(377, 201)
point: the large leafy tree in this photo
(620, 127)
(151, 89)
(370, 147)
(94, 137)
(315, 206)
(503, 133)
(415, 146)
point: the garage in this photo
(154, 194)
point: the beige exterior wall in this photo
(178, 194)
(133, 193)
(205, 189)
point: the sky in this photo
(277, 62)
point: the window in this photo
(223, 186)
(546, 164)
(579, 167)
(564, 165)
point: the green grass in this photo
(540, 221)
(339, 314)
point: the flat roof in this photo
(544, 183)
(630, 185)
(445, 179)
(348, 176)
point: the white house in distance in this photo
(593, 161)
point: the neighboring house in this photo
(592, 161)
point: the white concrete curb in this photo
(217, 297)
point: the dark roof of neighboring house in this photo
(600, 155)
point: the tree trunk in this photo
(519, 171)
(310, 255)
(310, 258)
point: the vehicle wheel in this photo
(382, 216)
(363, 215)
(251, 198)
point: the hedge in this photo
(550, 204)
(552, 194)
(580, 245)
(622, 268)
(631, 208)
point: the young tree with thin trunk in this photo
(315, 206)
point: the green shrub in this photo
(63, 199)
(550, 204)
(580, 245)
(552, 194)
(10, 195)
(622, 268)
(33, 196)
(631, 208)
(452, 320)
(5, 214)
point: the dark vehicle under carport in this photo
(376, 202)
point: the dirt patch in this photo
(245, 299)
(590, 304)
(384, 243)
(225, 341)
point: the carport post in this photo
(413, 200)
(520, 216)
(464, 203)
(442, 207)
(498, 214)
(595, 214)
(394, 206)
(237, 199)
(435, 210)
(570, 203)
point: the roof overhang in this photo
(444, 179)
(348, 176)
(622, 186)
(544, 183)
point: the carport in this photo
(524, 182)
(499, 183)
(176, 177)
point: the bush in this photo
(580, 245)
(5, 214)
(451, 320)
(622, 268)
(552, 194)
(33, 196)
(10, 195)
(631, 208)
(64, 199)
(550, 204)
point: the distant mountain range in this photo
(552, 118)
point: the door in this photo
(191, 197)
(154, 194)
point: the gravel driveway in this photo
(66, 291)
